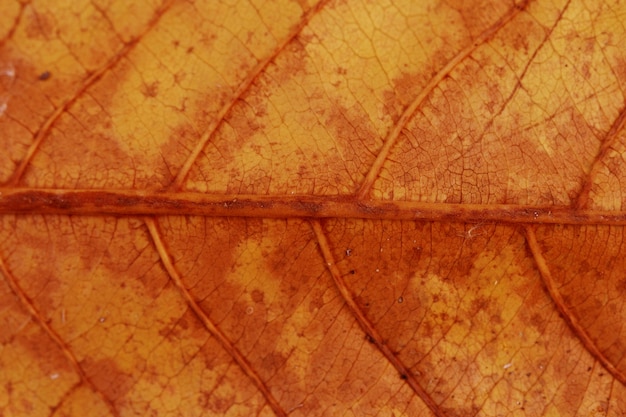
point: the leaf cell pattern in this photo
(346, 207)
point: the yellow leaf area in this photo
(491, 114)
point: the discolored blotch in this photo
(107, 376)
(274, 360)
(293, 61)
(257, 296)
(356, 135)
(478, 305)
(316, 303)
(150, 90)
(405, 88)
(39, 25)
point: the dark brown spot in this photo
(44, 75)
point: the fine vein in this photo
(408, 112)
(177, 184)
(27, 303)
(610, 139)
(366, 324)
(569, 317)
(207, 322)
(243, 87)
(90, 81)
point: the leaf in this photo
(312, 208)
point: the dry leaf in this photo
(312, 208)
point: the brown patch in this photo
(34, 343)
(85, 143)
(620, 69)
(168, 331)
(405, 89)
(621, 286)
(221, 401)
(244, 121)
(273, 361)
(496, 319)
(181, 328)
(478, 305)
(150, 90)
(27, 104)
(316, 303)
(108, 378)
(477, 16)
(39, 25)
(257, 296)
(208, 261)
(207, 40)
(538, 322)
(357, 140)
(521, 43)
(289, 261)
(292, 62)
(120, 261)
(216, 401)
(176, 150)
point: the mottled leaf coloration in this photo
(312, 208)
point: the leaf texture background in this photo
(453, 242)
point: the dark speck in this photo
(44, 75)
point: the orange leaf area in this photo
(312, 208)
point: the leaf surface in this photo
(312, 208)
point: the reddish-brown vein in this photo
(206, 321)
(610, 139)
(522, 75)
(569, 317)
(179, 180)
(26, 302)
(243, 87)
(366, 324)
(90, 81)
(146, 203)
(392, 138)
